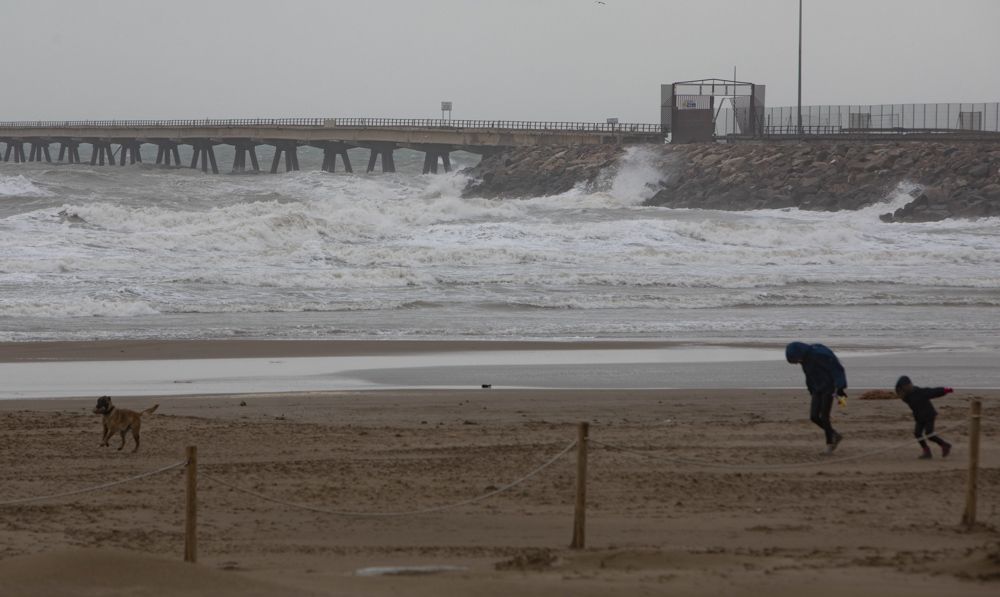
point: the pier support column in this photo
(130, 150)
(243, 149)
(383, 150)
(330, 153)
(15, 148)
(205, 151)
(435, 153)
(38, 149)
(165, 150)
(69, 150)
(101, 150)
(290, 150)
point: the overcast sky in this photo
(495, 59)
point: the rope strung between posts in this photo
(96, 487)
(480, 498)
(743, 467)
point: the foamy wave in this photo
(409, 247)
(83, 307)
(19, 186)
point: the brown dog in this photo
(120, 420)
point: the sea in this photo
(153, 252)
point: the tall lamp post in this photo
(800, 70)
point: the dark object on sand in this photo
(879, 395)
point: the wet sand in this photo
(70, 369)
(719, 491)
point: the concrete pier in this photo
(380, 136)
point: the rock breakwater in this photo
(960, 179)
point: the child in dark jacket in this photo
(919, 401)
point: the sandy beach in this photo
(689, 492)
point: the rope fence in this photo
(582, 443)
(443, 508)
(766, 467)
(53, 496)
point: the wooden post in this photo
(580, 511)
(191, 508)
(969, 517)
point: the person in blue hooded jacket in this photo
(825, 378)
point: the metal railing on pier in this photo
(513, 125)
(510, 125)
(205, 122)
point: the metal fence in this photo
(872, 118)
(510, 125)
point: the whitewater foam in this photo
(141, 250)
(20, 186)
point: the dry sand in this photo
(882, 524)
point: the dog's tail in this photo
(150, 410)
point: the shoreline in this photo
(152, 349)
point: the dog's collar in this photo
(108, 411)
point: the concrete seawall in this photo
(953, 179)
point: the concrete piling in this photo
(330, 153)
(290, 151)
(435, 153)
(243, 149)
(383, 151)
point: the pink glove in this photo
(949, 390)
